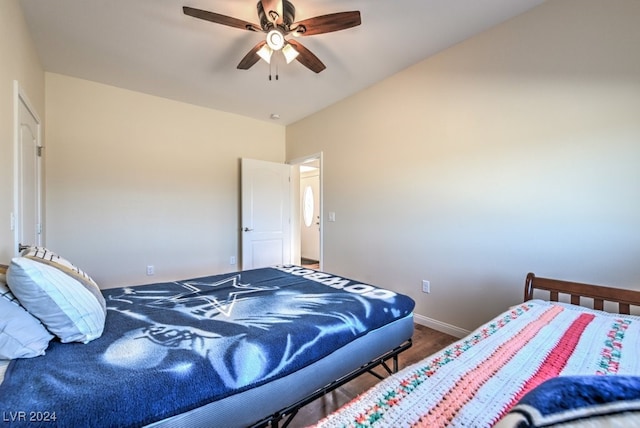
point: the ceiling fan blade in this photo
(220, 19)
(273, 10)
(251, 57)
(326, 23)
(307, 58)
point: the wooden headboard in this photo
(600, 294)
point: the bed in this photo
(540, 363)
(241, 349)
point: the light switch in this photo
(332, 216)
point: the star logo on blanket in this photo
(207, 299)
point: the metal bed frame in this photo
(288, 413)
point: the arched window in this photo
(307, 206)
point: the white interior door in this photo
(266, 228)
(28, 210)
(310, 225)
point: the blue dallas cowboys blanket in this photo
(172, 347)
(567, 401)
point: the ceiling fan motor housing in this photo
(288, 12)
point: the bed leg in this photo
(289, 418)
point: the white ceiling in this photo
(150, 46)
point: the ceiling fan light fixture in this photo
(275, 40)
(277, 20)
(290, 53)
(265, 53)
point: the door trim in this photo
(295, 204)
(20, 97)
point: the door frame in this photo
(295, 205)
(20, 97)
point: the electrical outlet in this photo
(426, 286)
(232, 260)
(151, 270)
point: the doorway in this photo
(310, 214)
(308, 229)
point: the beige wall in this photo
(515, 151)
(18, 61)
(136, 180)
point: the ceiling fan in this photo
(277, 20)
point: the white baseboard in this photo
(440, 326)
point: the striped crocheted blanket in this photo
(477, 380)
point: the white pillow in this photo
(64, 305)
(21, 335)
(44, 255)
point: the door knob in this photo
(246, 229)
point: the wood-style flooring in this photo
(426, 341)
(311, 264)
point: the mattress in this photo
(475, 381)
(227, 350)
(268, 399)
(281, 393)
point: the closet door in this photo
(28, 210)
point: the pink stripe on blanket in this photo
(556, 360)
(468, 385)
